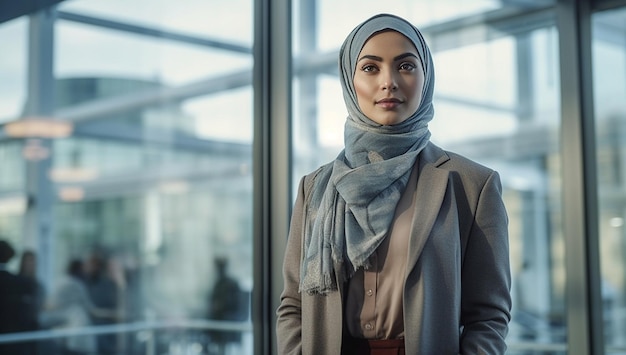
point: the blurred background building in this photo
(150, 150)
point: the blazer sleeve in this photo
(486, 277)
(289, 312)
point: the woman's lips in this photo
(388, 103)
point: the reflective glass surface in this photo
(609, 79)
(126, 179)
(496, 101)
(13, 68)
(208, 20)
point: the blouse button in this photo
(368, 326)
(370, 292)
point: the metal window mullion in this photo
(272, 162)
(307, 83)
(38, 225)
(153, 31)
(580, 202)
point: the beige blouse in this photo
(373, 307)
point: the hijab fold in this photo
(351, 211)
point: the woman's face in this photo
(389, 78)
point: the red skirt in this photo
(354, 346)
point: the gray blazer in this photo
(457, 284)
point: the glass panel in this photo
(13, 68)
(340, 17)
(496, 101)
(193, 17)
(609, 76)
(138, 219)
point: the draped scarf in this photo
(351, 211)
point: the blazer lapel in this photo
(431, 189)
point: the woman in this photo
(397, 246)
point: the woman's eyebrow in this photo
(380, 59)
(372, 57)
(405, 55)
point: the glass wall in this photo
(609, 78)
(126, 179)
(126, 162)
(497, 100)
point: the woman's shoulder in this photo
(316, 179)
(456, 162)
(464, 162)
(322, 172)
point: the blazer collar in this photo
(431, 189)
(432, 155)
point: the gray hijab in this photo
(352, 208)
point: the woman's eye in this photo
(407, 66)
(368, 68)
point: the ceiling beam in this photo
(10, 9)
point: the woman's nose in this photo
(389, 81)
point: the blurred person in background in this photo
(28, 270)
(104, 292)
(16, 304)
(34, 295)
(72, 308)
(225, 303)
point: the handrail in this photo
(125, 328)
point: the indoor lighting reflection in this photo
(174, 187)
(71, 194)
(616, 222)
(72, 175)
(39, 127)
(34, 150)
